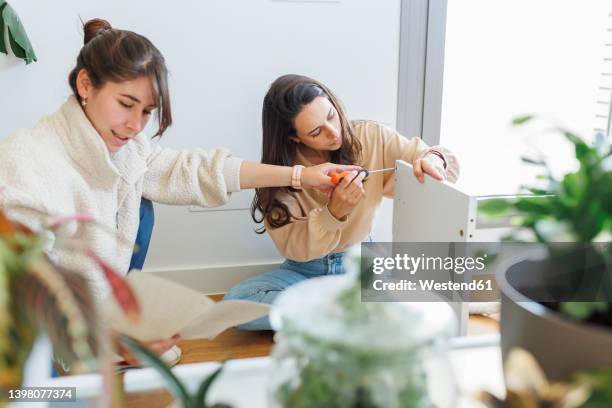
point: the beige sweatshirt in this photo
(315, 232)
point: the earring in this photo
(84, 102)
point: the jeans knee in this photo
(253, 294)
(244, 291)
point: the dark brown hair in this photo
(285, 99)
(116, 55)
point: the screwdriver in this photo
(337, 177)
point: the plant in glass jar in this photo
(334, 350)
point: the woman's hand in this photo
(318, 176)
(157, 346)
(430, 164)
(347, 194)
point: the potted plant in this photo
(38, 297)
(564, 336)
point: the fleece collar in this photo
(88, 151)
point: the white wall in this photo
(222, 56)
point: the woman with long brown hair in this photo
(305, 124)
(91, 157)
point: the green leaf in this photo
(600, 383)
(521, 119)
(18, 39)
(534, 205)
(575, 186)
(16, 48)
(606, 196)
(2, 43)
(203, 389)
(6, 318)
(148, 357)
(583, 151)
(537, 191)
(582, 310)
(495, 206)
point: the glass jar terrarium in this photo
(332, 350)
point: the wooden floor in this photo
(233, 344)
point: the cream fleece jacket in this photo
(62, 167)
(314, 232)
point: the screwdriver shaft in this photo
(381, 170)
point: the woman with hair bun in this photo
(91, 157)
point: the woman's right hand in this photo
(318, 176)
(347, 194)
(157, 346)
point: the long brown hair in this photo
(285, 99)
(110, 54)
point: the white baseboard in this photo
(213, 279)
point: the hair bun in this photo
(94, 27)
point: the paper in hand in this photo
(168, 308)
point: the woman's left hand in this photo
(319, 176)
(431, 165)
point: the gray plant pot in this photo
(560, 345)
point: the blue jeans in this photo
(143, 236)
(266, 287)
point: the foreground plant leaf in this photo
(600, 382)
(59, 302)
(38, 296)
(122, 292)
(200, 397)
(527, 386)
(6, 226)
(148, 357)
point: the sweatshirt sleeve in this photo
(308, 236)
(191, 177)
(397, 147)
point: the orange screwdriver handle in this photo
(337, 177)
